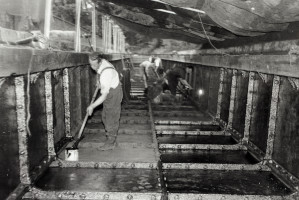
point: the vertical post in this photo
(48, 14)
(273, 117)
(78, 30)
(124, 43)
(232, 100)
(94, 19)
(194, 82)
(66, 94)
(114, 38)
(49, 111)
(103, 32)
(110, 34)
(220, 93)
(118, 39)
(22, 131)
(248, 115)
(106, 34)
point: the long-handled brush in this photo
(72, 149)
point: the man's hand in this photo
(89, 110)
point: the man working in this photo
(173, 77)
(111, 97)
(155, 64)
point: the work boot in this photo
(109, 144)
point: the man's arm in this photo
(185, 83)
(105, 82)
(96, 103)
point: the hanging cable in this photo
(28, 92)
(209, 38)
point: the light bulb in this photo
(200, 92)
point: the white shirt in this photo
(158, 62)
(109, 77)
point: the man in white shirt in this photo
(111, 97)
(155, 65)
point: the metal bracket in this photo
(273, 116)
(263, 77)
(294, 82)
(22, 130)
(34, 77)
(286, 177)
(56, 73)
(66, 94)
(49, 111)
(243, 73)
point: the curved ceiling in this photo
(196, 20)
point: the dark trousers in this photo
(111, 111)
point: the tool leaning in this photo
(72, 148)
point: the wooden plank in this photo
(15, 61)
(283, 65)
(9, 167)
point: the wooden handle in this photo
(86, 116)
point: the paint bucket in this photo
(71, 154)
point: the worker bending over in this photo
(166, 87)
(173, 77)
(154, 64)
(111, 97)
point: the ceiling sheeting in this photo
(203, 19)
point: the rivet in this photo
(133, 165)
(129, 197)
(18, 82)
(153, 197)
(96, 165)
(106, 197)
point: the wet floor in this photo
(224, 182)
(207, 156)
(203, 139)
(108, 180)
(189, 127)
(137, 144)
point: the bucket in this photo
(71, 154)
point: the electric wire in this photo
(28, 92)
(209, 38)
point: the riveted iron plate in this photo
(22, 130)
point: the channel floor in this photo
(161, 153)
